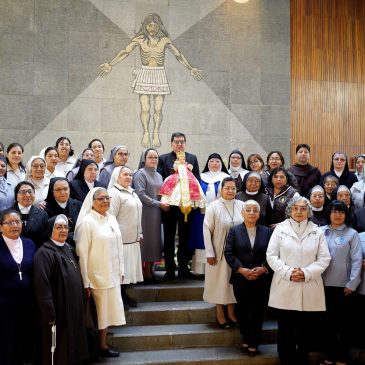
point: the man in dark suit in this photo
(174, 216)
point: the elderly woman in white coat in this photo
(298, 255)
(127, 209)
(100, 249)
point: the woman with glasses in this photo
(276, 159)
(59, 292)
(245, 253)
(15, 167)
(210, 179)
(253, 189)
(58, 201)
(255, 163)
(341, 279)
(100, 249)
(147, 183)
(65, 153)
(118, 157)
(237, 167)
(6, 188)
(340, 169)
(220, 217)
(34, 219)
(36, 168)
(298, 255)
(16, 286)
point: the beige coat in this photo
(310, 253)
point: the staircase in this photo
(173, 325)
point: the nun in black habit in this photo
(59, 293)
(85, 180)
(58, 201)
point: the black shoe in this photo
(169, 276)
(233, 324)
(224, 325)
(109, 352)
(186, 275)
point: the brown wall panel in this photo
(328, 77)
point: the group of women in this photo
(257, 231)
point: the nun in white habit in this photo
(100, 248)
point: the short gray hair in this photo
(251, 202)
(295, 200)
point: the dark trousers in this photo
(295, 332)
(170, 219)
(251, 299)
(358, 341)
(338, 324)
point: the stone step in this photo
(201, 356)
(158, 313)
(179, 289)
(161, 337)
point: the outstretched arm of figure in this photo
(105, 68)
(195, 72)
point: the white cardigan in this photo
(310, 253)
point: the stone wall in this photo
(51, 51)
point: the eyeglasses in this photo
(339, 159)
(13, 223)
(179, 141)
(253, 162)
(274, 159)
(152, 157)
(236, 157)
(25, 192)
(39, 166)
(229, 189)
(61, 227)
(59, 190)
(299, 209)
(251, 210)
(103, 199)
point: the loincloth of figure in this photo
(150, 81)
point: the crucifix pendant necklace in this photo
(20, 271)
(230, 215)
